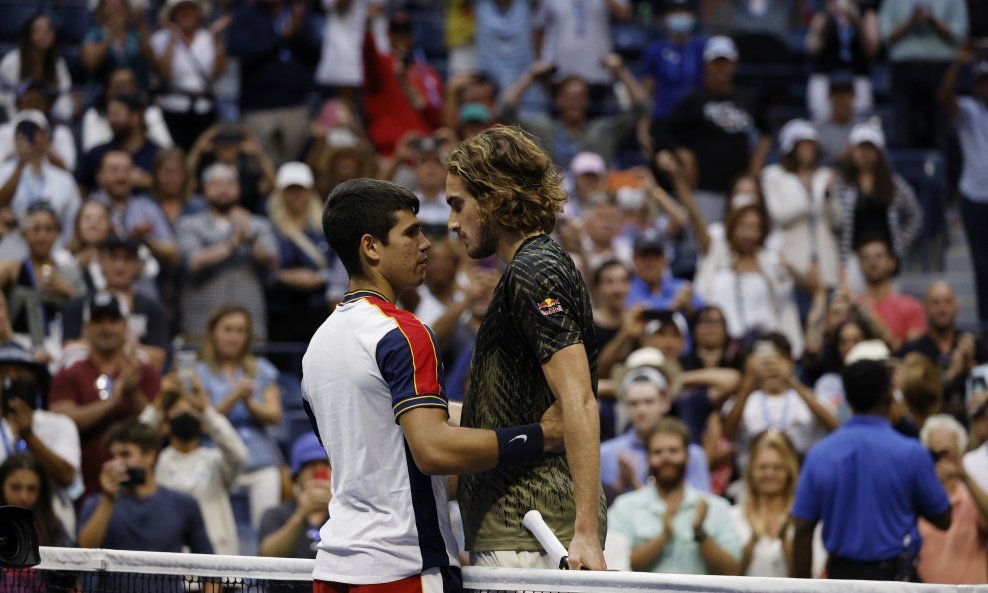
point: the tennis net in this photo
(67, 570)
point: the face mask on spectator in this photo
(185, 426)
(630, 198)
(680, 22)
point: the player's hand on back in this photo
(552, 429)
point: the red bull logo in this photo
(549, 306)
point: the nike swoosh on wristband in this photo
(523, 437)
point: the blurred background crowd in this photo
(756, 188)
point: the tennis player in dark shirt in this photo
(535, 346)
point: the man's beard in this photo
(485, 243)
(223, 207)
(668, 483)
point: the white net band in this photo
(236, 569)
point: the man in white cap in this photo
(588, 171)
(225, 251)
(711, 129)
(31, 177)
(646, 394)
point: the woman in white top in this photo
(748, 282)
(761, 517)
(770, 397)
(796, 193)
(188, 60)
(36, 58)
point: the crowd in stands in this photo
(743, 196)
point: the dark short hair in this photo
(362, 207)
(133, 432)
(598, 273)
(778, 340)
(669, 425)
(866, 383)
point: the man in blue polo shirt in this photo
(868, 484)
(651, 285)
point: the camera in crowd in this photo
(18, 538)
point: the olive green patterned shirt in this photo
(540, 306)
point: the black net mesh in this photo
(58, 581)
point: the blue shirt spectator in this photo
(261, 450)
(868, 484)
(279, 47)
(697, 472)
(674, 69)
(163, 522)
(651, 283)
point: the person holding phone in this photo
(134, 512)
(291, 529)
(206, 473)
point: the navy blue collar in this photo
(869, 419)
(362, 293)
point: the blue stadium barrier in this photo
(290, 385)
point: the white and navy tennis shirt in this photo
(368, 364)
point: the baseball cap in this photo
(649, 239)
(103, 304)
(171, 5)
(219, 171)
(294, 173)
(471, 113)
(400, 21)
(32, 116)
(13, 353)
(306, 449)
(129, 244)
(674, 319)
(868, 350)
(795, 131)
(841, 80)
(867, 132)
(648, 357)
(588, 162)
(720, 46)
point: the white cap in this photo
(645, 357)
(795, 131)
(588, 162)
(867, 132)
(643, 374)
(868, 350)
(170, 6)
(219, 171)
(294, 173)
(720, 47)
(34, 116)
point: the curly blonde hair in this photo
(514, 181)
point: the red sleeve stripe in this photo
(425, 358)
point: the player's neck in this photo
(374, 285)
(509, 243)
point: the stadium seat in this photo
(430, 34)
(291, 390)
(15, 14)
(72, 20)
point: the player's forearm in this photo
(802, 553)
(581, 433)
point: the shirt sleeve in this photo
(806, 505)
(928, 494)
(698, 471)
(619, 519)
(545, 310)
(719, 525)
(408, 359)
(196, 537)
